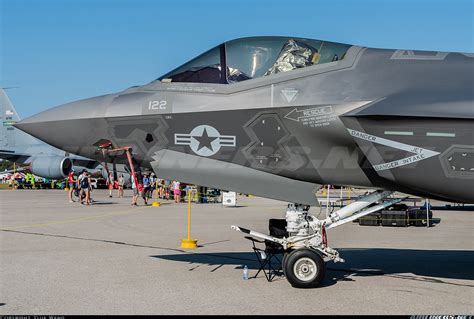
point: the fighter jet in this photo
(40, 158)
(279, 116)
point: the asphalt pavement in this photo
(58, 257)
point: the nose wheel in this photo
(304, 268)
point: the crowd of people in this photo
(143, 185)
(147, 183)
(26, 180)
(81, 185)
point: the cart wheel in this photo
(304, 268)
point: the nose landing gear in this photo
(304, 263)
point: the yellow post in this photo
(156, 203)
(189, 215)
(189, 243)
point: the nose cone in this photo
(68, 126)
(82, 109)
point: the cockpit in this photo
(249, 58)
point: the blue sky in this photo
(57, 51)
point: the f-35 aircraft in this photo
(279, 116)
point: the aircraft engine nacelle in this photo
(52, 167)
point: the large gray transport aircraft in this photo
(279, 116)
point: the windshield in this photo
(249, 58)
(205, 68)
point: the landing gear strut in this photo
(306, 249)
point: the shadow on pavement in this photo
(103, 203)
(411, 264)
(433, 266)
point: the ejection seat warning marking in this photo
(420, 153)
(313, 117)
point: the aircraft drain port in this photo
(149, 138)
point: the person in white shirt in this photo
(121, 183)
(135, 190)
(110, 183)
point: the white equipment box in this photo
(229, 198)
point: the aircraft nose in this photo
(67, 126)
(82, 109)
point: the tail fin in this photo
(9, 135)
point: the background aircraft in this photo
(42, 159)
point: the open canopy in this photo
(248, 58)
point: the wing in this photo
(12, 156)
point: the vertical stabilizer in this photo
(10, 137)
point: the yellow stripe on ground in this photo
(126, 212)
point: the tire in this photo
(283, 261)
(304, 268)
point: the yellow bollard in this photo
(189, 243)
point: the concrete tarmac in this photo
(58, 257)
